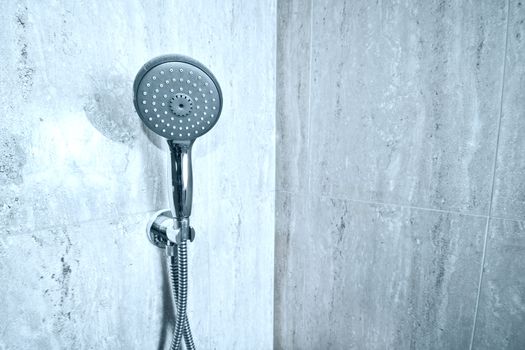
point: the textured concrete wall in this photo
(400, 171)
(79, 176)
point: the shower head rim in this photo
(156, 61)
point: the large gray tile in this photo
(81, 287)
(509, 190)
(234, 175)
(101, 285)
(232, 260)
(73, 150)
(292, 89)
(73, 147)
(238, 44)
(380, 277)
(501, 314)
(405, 101)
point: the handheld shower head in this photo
(179, 99)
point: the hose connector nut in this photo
(171, 250)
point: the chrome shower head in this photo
(177, 97)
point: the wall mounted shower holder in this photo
(163, 230)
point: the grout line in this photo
(310, 65)
(308, 148)
(113, 218)
(276, 109)
(443, 211)
(387, 204)
(507, 219)
(484, 254)
(296, 193)
(275, 177)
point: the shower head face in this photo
(177, 97)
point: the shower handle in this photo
(181, 175)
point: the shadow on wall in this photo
(110, 111)
(109, 108)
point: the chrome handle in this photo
(181, 177)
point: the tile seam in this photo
(308, 143)
(487, 227)
(79, 223)
(342, 198)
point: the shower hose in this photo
(178, 270)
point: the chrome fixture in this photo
(179, 99)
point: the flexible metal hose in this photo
(178, 267)
(186, 331)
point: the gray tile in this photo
(405, 101)
(75, 150)
(81, 287)
(291, 250)
(55, 282)
(501, 313)
(232, 260)
(292, 109)
(379, 277)
(73, 147)
(61, 182)
(509, 190)
(238, 44)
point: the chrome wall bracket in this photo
(164, 231)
